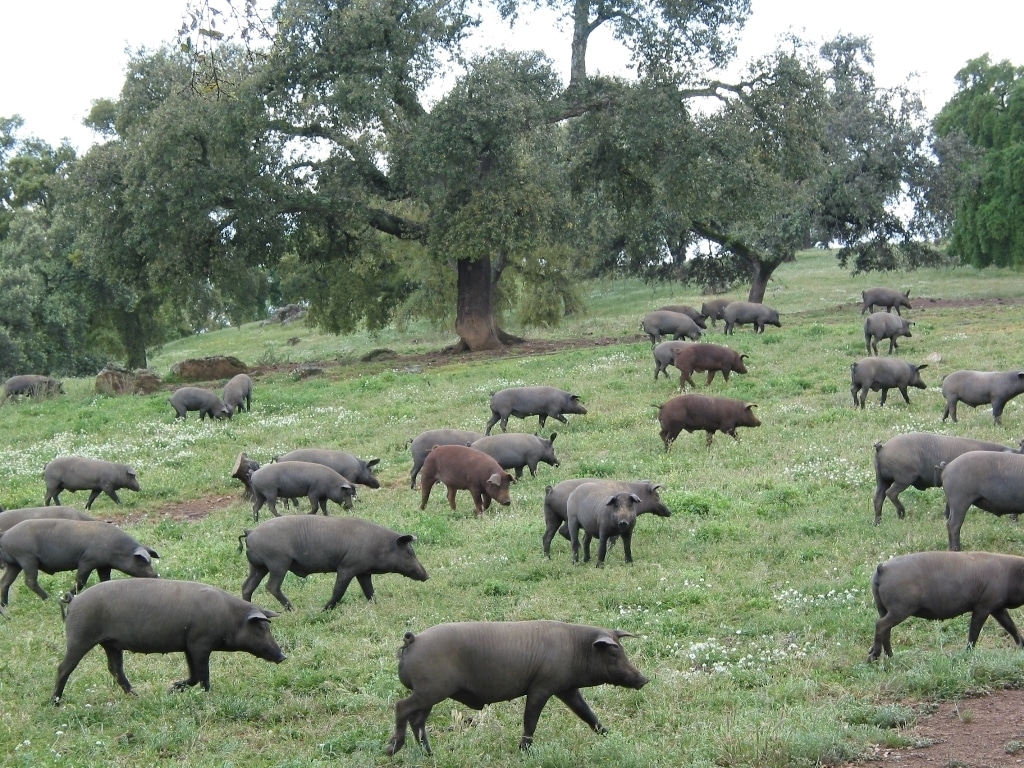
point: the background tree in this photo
(981, 149)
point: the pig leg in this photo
(534, 706)
(257, 506)
(602, 548)
(272, 503)
(997, 410)
(627, 540)
(711, 434)
(31, 569)
(115, 664)
(409, 711)
(74, 655)
(92, 497)
(451, 498)
(587, 538)
(552, 522)
(366, 583)
(574, 533)
(340, 585)
(425, 492)
(574, 700)
(978, 618)
(903, 391)
(83, 574)
(493, 420)
(256, 575)
(274, 588)
(198, 660)
(893, 494)
(1006, 622)
(10, 574)
(883, 631)
(55, 495)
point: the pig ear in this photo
(605, 642)
(609, 501)
(634, 498)
(131, 472)
(620, 633)
(552, 438)
(494, 479)
(372, 463)
(405, 540)
(153, 553)
(922, 367)
(259, 614)
(748, 406)
(142, 553)
(574, 397)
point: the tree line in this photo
(328, 156)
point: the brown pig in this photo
(462, 468)
(707, 412)
(709, 358)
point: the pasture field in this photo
(751, 605)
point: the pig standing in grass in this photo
(976, 388)
(352, 468)
(206, 402)
(31, 385)
(990, 481)
(238, 394)
(665, 355)
(84, 546)
(880, 326)
(532, 401)
(163, 616)
(462, 468)
(714, 309)
(911, 460)
(518, 450)
(709, 358)
(749, 313)
(556, 500)
(348, 546)
(420, 445)
(77, 473)
(685, 309)
(941, 585)
(664, 323)
(292, 479)
(884, 297)
(704, 412)
(481, 662)
(11, 517)
(601, 510)
(883, 373)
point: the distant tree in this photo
(981, 150)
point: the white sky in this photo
(56, 56)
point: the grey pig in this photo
(883, 373)
(990, 481)
(31, 385)
(556, 499)
(686, 309)
(420, 445)
(347, 546)
(84, 546)
(941, 585)
(884, 297)
(292, 479)
(462, 468)
(704, 412)
(518, 450)
(77, 473)
(206, 402)
(880, 326)
(238, 394)
(352, 468)
(11, 517)
(163, 616)
(976, 388)
(532, 401)
(664, 323)
(910, 460)
(480, 662)
(713, 309)
(665, 355)
(749, 313)
(602, 510)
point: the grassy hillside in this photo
(751, 604)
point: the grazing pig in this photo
(532, 401)
(77, 473)
(747, 312)
(163, 616)
(353, 469)
(976, 388)
(884, 297)
(11, 517)
(882, 325)
(237, 394)
(990, 481)
(714, 308)
(665, 355)
(941, 585)
(347, 546)
(462, 468)
(420, 446)
(910, 460)
(685, 309)
(556, 499)
(292, 479)
(663, 323)
(31, 385)
(206, 402)
(708, 358)
(518, 450)
(712, 414)
(883, 373)
(52, 545)
(480, 662)
(601, 509)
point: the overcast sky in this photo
(56, 56)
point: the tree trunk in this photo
(134, 338)
(474, 320)
(760, 275)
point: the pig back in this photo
(11, 517)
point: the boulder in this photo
(114, 380)
(208, 368)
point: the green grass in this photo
(751, 604)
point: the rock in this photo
(114, 380)
(146, 381)
(208, 368)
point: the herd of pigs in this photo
(477, 663)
